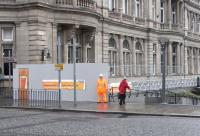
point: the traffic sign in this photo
(59, 66)
(9, 60)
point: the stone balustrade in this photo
(64, 2)
(7, 1)
(78, 3)
(140, 21)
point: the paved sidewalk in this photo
(129, 109)
(136, 109)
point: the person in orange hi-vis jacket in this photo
(102, 87)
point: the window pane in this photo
(6, 69)
(70, 54)
(6, 52)
(7, 34)
(89, 56)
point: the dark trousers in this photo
(122, 98)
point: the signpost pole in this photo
(74, 68)
(59, 70)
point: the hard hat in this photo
(101, 75)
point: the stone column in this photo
(98, 46)
(131, 56)
(170, 58)
(84, 45)
(130, 8)
(182, 59)
(178, 58)
(121, 9)
(182, 14)
(178, 14)
(105, 47)
(150, 58)
(133, 8)
(186, 61)
(121, 67)
(198, 51)
(148, 9)
(74, 3)
(170, 14)
(192, 60)
(145, 57)
(158, 12)
(117, 5)
(118, 55)
(158, 59)
(134, 56)
(65, 46)
(142, 9)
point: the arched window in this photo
(112, 56)
(126, 45)
(112, 43)
(139, 58)
(126, 58)
(193, 24)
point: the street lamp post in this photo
(164, 42)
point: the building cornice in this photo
(48, 7)
(192, 4)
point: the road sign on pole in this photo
(59, 66)
(9, 59)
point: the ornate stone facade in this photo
(122, 33)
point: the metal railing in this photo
(132, 94)
(175, 98)
(29, 98)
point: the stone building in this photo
(123, 33)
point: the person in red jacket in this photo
(122, 91)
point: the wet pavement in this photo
(17, 122)
(135, 108)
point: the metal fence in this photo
(175, 98)
(29, 98)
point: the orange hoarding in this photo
(65, 85)
(23, 83)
